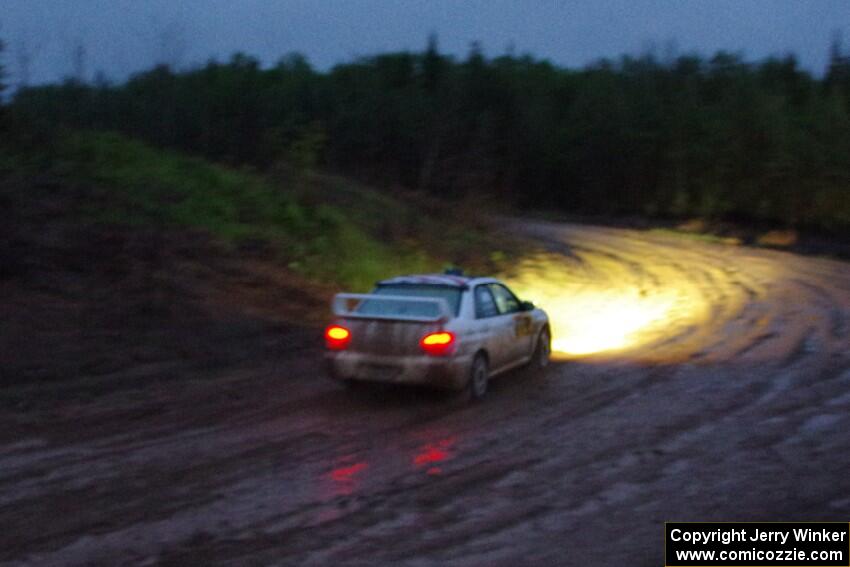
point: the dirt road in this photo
(724, 396)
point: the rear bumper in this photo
(450, 372)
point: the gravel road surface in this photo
(725, 395)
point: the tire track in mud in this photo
(729, 399)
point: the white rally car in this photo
(447, 331)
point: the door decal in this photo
(522, 325)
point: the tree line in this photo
(715, 137)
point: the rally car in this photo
(442, 330)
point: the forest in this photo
(669, 137)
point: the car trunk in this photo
(387, 337)
(389, 325)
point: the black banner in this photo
(757, 544)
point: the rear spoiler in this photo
(402, 308)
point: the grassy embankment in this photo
(322, 227)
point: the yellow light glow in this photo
(596, 306)
(592, 322)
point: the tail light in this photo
(337, 337)
(440, 343)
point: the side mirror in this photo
(526, 306)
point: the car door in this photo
(496, 330)
(518, 322)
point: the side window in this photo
(505, 300)
(485, 306)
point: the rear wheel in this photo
(542, 350)
(479, 375)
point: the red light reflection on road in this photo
(345, 478)
(434, 453)
(343, 474)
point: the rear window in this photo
(450, 294)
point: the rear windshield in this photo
(450, 294)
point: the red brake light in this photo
(440, 343)
(337, 337)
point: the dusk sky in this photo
(123, 36)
